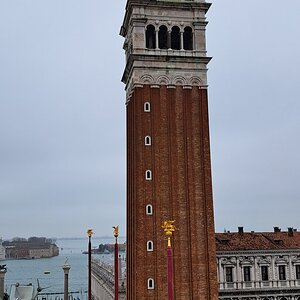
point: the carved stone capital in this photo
(228, 261)
(245, 260)
(264, 260)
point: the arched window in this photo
(175, 38)
(149, 210)
(147, 107)
(150, 37)
(149, 246)
(148, 175)
(150, 284)
(148, 140)
(188, 38)
(163, 37)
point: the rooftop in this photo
(241, 241)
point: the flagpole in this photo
(169, 228)
(116, 234)
(90, 233)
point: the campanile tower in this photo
(168, 150)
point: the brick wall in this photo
(180, 190)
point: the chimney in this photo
(290, 231)
(277, 229)
(241, 230)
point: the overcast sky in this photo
(62, 115)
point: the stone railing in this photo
(259, 284)
(105, 272)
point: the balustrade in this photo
(259, 284)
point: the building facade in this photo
(168, 149)
(251, 266)
(2, 251)
(32, 248)
(259, 266)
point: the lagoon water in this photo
(28, 271)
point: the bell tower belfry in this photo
(168, 150)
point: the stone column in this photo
(169, 40)
(120, 269)
(256, 270)
(291, 281)
(2, 276)
(273, 273)
(181, 40)
(66, 267)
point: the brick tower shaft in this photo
(168, 150)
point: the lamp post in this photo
(169, 228)
(116, 234)
(90, 233)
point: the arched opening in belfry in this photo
(188, 38)
(163, 37)
(175, 38)
(150, 37)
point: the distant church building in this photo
(168, 149)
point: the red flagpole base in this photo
(116, 271)
(170, 274)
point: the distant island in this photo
(107, 248)
(31, 248)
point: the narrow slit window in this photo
(149, 209)
(147, 107)
(149, 246)
(148, 140)
(148, 175)
(150, 284)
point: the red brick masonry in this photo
(180, 190)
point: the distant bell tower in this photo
(168, 150)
